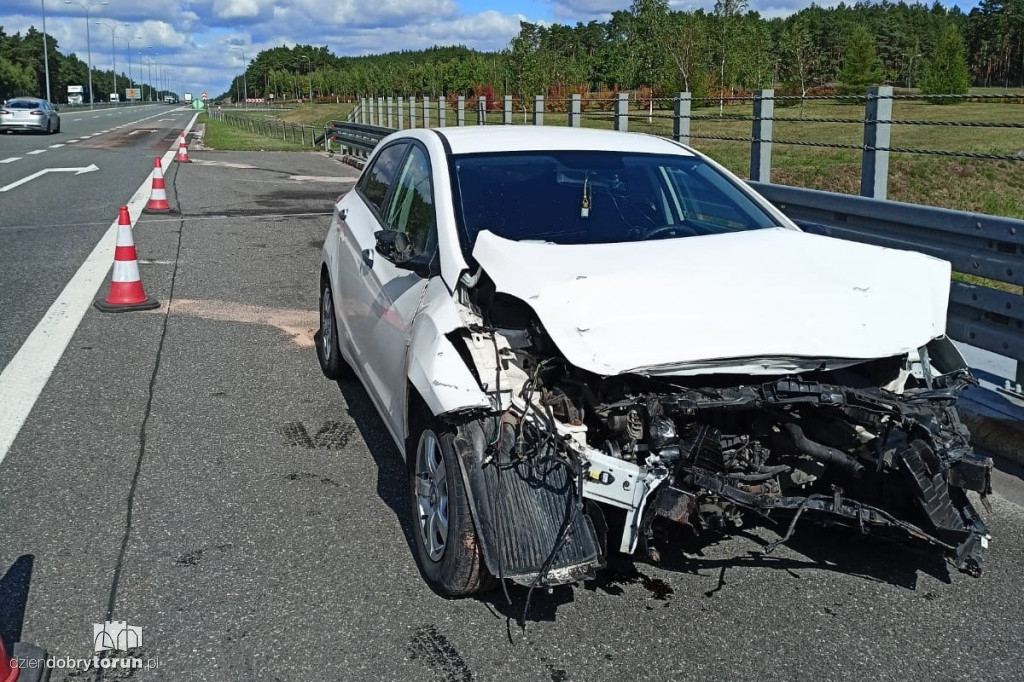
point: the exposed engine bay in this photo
(874, 446)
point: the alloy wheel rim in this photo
(326, 325)
(431, 483)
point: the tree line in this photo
(23, 72)
(652, 49)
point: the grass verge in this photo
(225, 137)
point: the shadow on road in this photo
(391, 473)
(14, 588)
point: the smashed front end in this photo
(874, 446)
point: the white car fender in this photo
(434, 366)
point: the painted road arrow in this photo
(145, 130)
(29, 178)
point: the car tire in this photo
(328, 350)
(448, 549)
(57, 131)
(49, 126)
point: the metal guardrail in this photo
(360, 137)
(988, 247)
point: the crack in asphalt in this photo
(112, 598)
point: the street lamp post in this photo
(910, 69)
(113, 50)
(88, 40)
(128, 41)
(245, 69)
(46, 50)
(310, 62)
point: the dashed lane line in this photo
(10, 159)
(29, 370)
(37, 151)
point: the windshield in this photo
(594, 197)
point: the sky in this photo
(193, 39)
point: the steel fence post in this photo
(412, 111)
(441, 107)
(506, 110)
(538, 110)
(481, 110)
(401, 113)
(390, 111)
(622, 111)
(460, 112)
(380, 111)
(681, 119)
(874, 168)
(761, 132)
(575, 110)
(426, 111)
(362, 110)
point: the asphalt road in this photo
(49, 224)
(190, 471)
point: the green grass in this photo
(226, 137)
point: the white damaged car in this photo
(577, 335)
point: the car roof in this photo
(482, 139)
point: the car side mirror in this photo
(394, 246)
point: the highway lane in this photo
(50, 223)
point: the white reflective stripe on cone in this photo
(124, 235)
(126, 271)
(159, 194)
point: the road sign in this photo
(204, 96)
(132, 94)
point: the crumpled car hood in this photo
(770, 301)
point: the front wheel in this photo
(447, 547)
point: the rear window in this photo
(24, 105)
(378, 178)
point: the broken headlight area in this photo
(875, 446)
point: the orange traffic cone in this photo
(126, 292)
(158, 194)
(182, 150)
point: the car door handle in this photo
(368, 257)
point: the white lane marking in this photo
(223, 164)
(37, 151)
(320, 178)
(74, 119)
(55, 146)
(147, 131)
(10, 159)
(38, 174)
(72, 141)
(26, 374)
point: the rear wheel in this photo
(58, 127)
(328, 350)
(447, 547)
